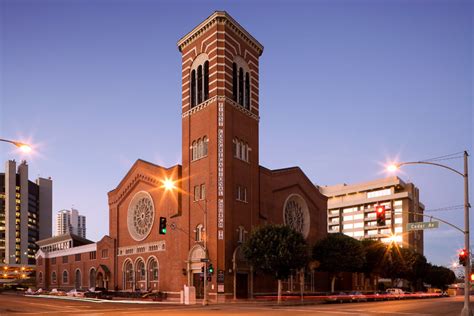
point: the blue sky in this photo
(344, 87)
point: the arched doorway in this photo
(153, 274)
(243, 275)
(78, 280)
(92, 278)
(127, 275)
(100, 280)
(195, 275)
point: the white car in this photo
(396, 292)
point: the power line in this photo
(444, 156)
(446, 208)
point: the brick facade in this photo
(239, 193)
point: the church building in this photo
(164, 221)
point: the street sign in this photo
(422, 225)
(204, 260)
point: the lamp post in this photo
(169, 185)
(466, 310)
(23, 146)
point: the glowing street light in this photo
(24, 147)
(466, 311)
(392, 168)
(168, 184)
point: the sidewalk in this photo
(248, 302)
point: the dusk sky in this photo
(345, 86)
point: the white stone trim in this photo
(149, 247)
(67, 252)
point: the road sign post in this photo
(422, 225)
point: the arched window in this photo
(92, 278)
(237, 148)
(200, 148)
(194, 151)
(199, 232)
(234, 82)
(206, 80)
(243, 147)
(241, 86)
(205, 142)
(199, 81)
(193, 88)
(53, 277)
(78, 279)
(128, 272)
(241, 82)
(199, 85)
(65, 277)
(153, 268)
(40, 277)
(141, 270)
(241, 237)
(247, 91)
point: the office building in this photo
(25, 218)
(351, 210)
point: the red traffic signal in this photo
(463, 255)
(380, 213)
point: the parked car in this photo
(338, 298)
(356, 296)
(395, 292)
(76, 293)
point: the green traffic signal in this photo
(162, 229)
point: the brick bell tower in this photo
(220, 116)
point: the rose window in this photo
(296, 214)
(140, 215)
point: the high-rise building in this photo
(70, 222)
(25, 215)
(352, 211)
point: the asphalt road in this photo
(21, 305)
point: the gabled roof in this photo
(135, 166)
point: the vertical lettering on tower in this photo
(220, 171)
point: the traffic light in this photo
(162, 225)
(380, 212)
(210, 269)
(463, 255)
(472, 277)
(202, 269)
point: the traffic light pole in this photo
(466, 310)
(204, 300)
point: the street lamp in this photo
(169, 185)
(23, 146)
(466, 310)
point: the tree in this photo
(375, 257)
(276, 250)
(339, 253)
(439, 277)
(404, 263)
(417, 268)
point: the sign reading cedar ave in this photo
(422, 225)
